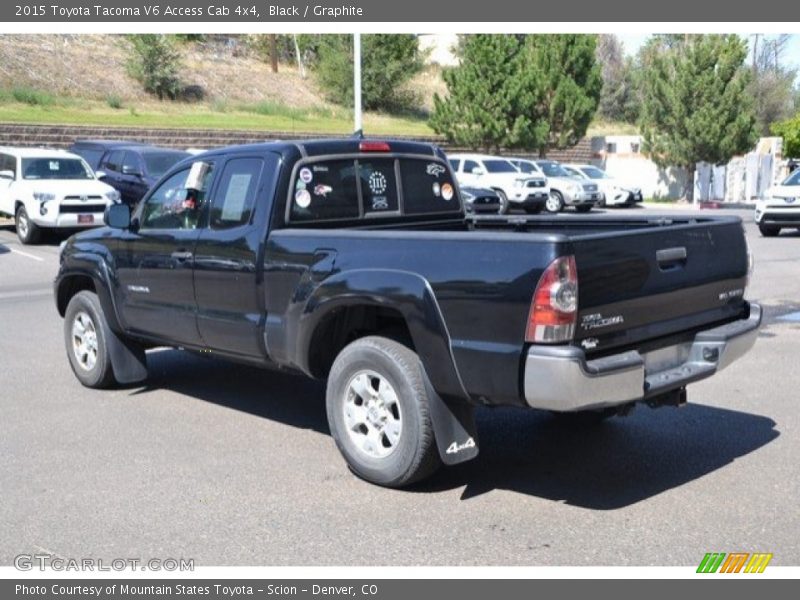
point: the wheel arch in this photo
(397, 304)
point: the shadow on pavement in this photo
(604, 466)
(608, 465)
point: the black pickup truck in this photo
(353, 261)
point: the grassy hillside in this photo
(82, 80)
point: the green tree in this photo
(695, 102)
(155, 62)
(565, 69)
(482, 109)
(789, 130)
(526, 92)
(389, 62)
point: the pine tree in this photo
(571, 81)
(520, 92)
(695, 102)
(481, 108)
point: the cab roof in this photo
(38, 152)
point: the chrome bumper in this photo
(561, 379)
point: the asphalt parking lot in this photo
(231, 465)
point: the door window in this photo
(114, 160)
(469, 165)
(175, 206)
(235, 197)
(131, 164)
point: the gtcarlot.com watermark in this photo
(45, 562)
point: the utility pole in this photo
(273, 51)
(359, 129)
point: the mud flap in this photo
(127, 359)
(454, 427)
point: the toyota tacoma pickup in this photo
(352, 261)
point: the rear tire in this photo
(769, 230)
(85, 338)
(555, 202)
(378, 412)
(28, 232)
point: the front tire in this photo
(555, 202)
(28, 232)
(769, 230)
(504, 206)
(378, 412)
(85, 338)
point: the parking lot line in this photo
(21, 253)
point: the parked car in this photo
(481, 200)
(132, 170)
(351, 261)
(615, 193)
(565, 190)
(524, 192)
(93, 151)
(48, 189)
(780, 208)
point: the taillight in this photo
(554, 308)
(374, 147)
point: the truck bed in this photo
(640, 279)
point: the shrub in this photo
(155, 62)
(114, 101)
(34, 97)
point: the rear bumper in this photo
(561, 379)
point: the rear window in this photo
(427, 187)
(331, 190)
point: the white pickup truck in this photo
(48, 189)
(528, 192)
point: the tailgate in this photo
(635, 286)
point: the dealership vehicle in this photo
(565, 190)
(525, 192)
(481, 200)
(615, 193)
(131, 170)
(780, 208)
(352, 261)
(48, 189)
(93, 151)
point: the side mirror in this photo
(100, 174)
(7, 175)
(127, 170)
(477, 171)
(118, 216)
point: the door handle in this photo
(671, 258)
(181, 255)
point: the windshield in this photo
(158, 163)
(89, 155)
(793, 179)
(595, 173)
(526, 167)
(499, 166)
(55, 168)
(552, 169)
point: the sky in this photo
(633, 42)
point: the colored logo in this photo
(735, 562)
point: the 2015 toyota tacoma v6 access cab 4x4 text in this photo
(353, 261)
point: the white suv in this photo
(780, 207)
(615, 193)
(43, 189)
(565, 190)
(516, 190)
